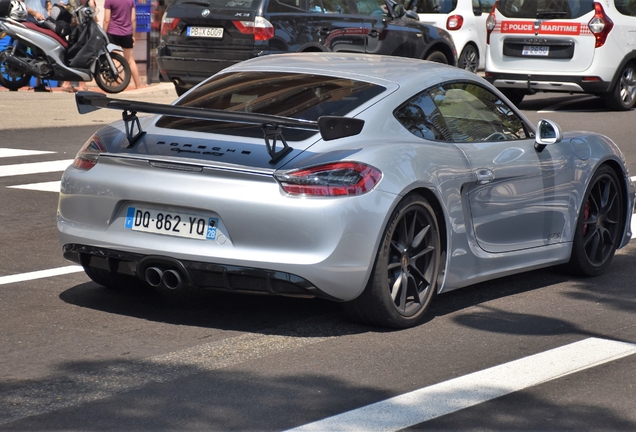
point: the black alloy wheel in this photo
(623, 96)
(469, 59)
(599, 226)
(405, 274)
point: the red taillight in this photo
(260, 28)
(168, 25)
(88, 155)
(334, 179)
(491, 22)
(600, 25)
(454, 22)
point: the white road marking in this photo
(39, 274)
(34, 168)
(53, 186)
(8, 152)
(440, 399)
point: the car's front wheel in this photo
(623, 96)
(405, 273)
(599, 225)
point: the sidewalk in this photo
(91, 86)
(59, 109)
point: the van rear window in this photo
(300, 96)
(538, 9)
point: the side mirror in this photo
(398, 11)
(548, 132)
(412, 15)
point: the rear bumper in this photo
(549, 83)
(200, 275)
(191, 70)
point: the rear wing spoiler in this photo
(330, 127)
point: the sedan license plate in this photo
(535, 50)
(171, 223)
(210, 32)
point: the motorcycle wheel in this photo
(10, 77)
(104, 77)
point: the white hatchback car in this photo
(465, 20)
(575, 46)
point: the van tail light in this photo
(88, 155)
(491, 22)
(454, 22)
(261, 28)
(168, 25)
(334, 179)
(600, 25)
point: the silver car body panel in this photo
(522, 218)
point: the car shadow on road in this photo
(265, 314)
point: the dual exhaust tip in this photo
(171, 279)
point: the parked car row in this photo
(574, 46)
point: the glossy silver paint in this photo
(506, 207)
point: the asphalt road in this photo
(76, 356)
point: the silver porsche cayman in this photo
(373, 181)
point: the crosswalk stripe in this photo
(9, 152)
(425, 404)
(40, 274)
(53, 186)
(34, 168)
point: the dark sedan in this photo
(202, 37)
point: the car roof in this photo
(387, 71)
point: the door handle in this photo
(484, 175)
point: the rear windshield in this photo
(546, 9)
(300, 96)
(223, 4)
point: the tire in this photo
(9, 76)
(469, 59)
(599, 225)
(105, 79)
(514, 95)
(623, 96)
(181, 89)
(437, 57)
(405, 273)
(113, 281)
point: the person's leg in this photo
(134, 72)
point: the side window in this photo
(371, 7)
(315, 6)
(461, 112)
(484, 5)
(336, 7)
(422, 118)
(626, 7)
(433, 6)
(286, 5)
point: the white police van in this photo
(575, 46)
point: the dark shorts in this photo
(122, 41)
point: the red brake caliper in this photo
(586, 214)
